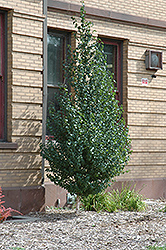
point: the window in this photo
(2, 78)
(57, 48)
(113, 51)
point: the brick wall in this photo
(150, 9)
(22, 167)
(144, 106)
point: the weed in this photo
(128, 199)
(156, 248)
(17, 248)
(97, 202)
(164, 209)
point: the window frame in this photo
(67, 36)
(3, 77)
(119, 44)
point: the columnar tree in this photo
(89, 145)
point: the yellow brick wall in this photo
(145, 106)
(22, 167)
(151, 9)
(32, 7)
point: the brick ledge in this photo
(8, 145)
(114, 16)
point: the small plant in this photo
(164, 209)
(156, 248)
(97, 202)
(17, 248)
(5, 212)
(127, 200)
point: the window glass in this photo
(113, 52)
(51, 97)
(55, 58)
(57, 48)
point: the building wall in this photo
(141, 26)
(144, 106)
(20, 162)
(149, 9)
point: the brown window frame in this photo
(119, 46)
(67, 40)
(3, 77)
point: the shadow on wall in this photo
(34, 1)
(24, 166)
(141, 71)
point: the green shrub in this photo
(128, 199)
(89, 143)
(97, 202)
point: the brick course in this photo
(149, 9)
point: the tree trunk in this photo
(77, 204)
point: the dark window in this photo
(113, 51)
(57, 49)
(2, 78)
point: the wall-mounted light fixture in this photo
(153, 60)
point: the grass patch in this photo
(128, 199)
(164, 209)
(156, 248)
(17, 248)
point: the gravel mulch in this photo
(63, 229)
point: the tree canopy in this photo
(89, 142)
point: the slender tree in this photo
(90, 144)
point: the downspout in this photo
(44, 114)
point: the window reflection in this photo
(56, 52)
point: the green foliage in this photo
(126, 200)
(156, 248)
(96, 202)
(91, 144)
(164, 209)
(18, 248)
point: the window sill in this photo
(8, 145)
